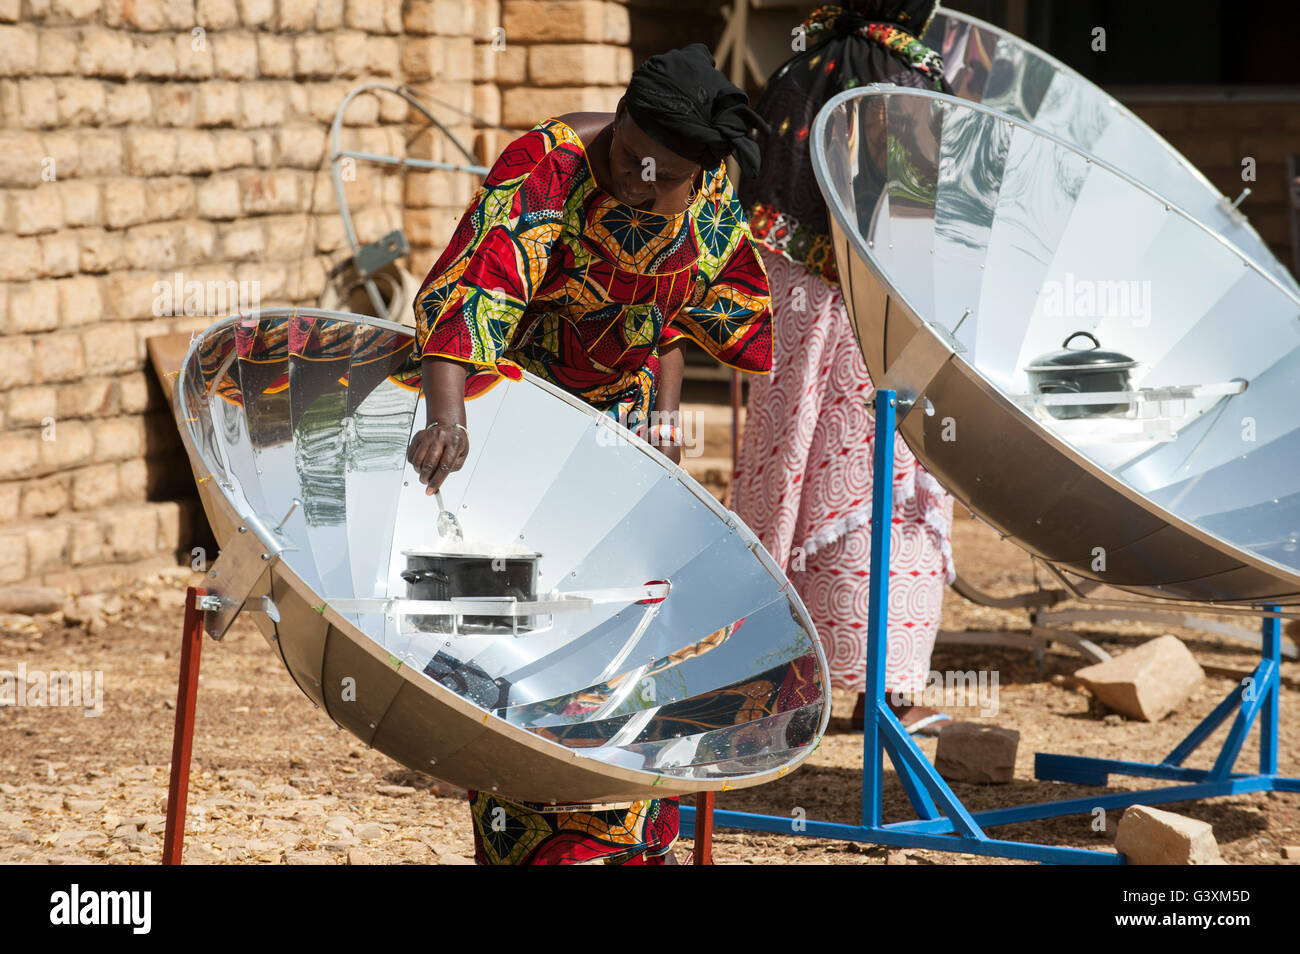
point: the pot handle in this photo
(1088, 335)
(423, 576)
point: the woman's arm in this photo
(442, 446)
(672, 362)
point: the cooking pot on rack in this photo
(1082, 371)
(441, 575)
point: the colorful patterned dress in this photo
(549, 273)
(803, 478)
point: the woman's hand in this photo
(436, 452)
(672, 364)
(441, 448)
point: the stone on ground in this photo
(969, 752)
(1146, 683)
(1150, 836)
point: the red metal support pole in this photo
(704, 828)
(187, 689)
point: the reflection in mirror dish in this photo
(605, 630)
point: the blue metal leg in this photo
(962, 831)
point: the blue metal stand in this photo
(944, 824)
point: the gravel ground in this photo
(274, 781)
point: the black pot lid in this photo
(1082, 359)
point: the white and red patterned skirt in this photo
(803, 484)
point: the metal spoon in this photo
(448, 526)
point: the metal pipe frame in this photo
(944, 824)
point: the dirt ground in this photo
(274, 781)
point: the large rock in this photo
(1146, 683)
(30, 600)
(969, 752)
(1149, 836)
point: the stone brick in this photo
(16, 369)
(216, 14)
(174, 104)
(20, 158)
(85, 542)
(20, 258)
(218, 197)
(196, 153)
(119, 438)
(575, 21)
(13, 556)
(155, 56)
(301, 146)
(233, 149)
(101, 251)
(296, 15)
(262, 104)
(135, 295)
(487, 102)
(21, 51)
(20, 453)
(383, 56)
(114, 346)
(57, 52)
(572, 64)
(511, 65)
(9, 495)
(42, 498)
(61, 154)
(90, 397)
(47, 545)
(75, 10)
(418, 17)
(127, 103)
(485, 17)
(38, 103)
(287, 237)
(234, 56)
(1151, 836)
(264, 192)
(525, 106)
(28, 407)
(57, 357)
(107, 53)
(72, 444)
(153, 246)
(217, 103)
(134, 393)
(80, 302)
(314, 56)
(150, 152)
(256, 12)
(274, 55)
(329, 14)
(60, 253)
(37, 210)
(33, 306)
(349, 52)
(193, 55)
(130, 533)
(124, 203)
(365, 15)
(453, 17)
(99, 154)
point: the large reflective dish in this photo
(998, 69)
(949, 217)
(663, 651)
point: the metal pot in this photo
(435, 575)
(1081, 371)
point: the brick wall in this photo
(144, 138)
(1217, 136)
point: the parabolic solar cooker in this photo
(605, 630)
(972, 245)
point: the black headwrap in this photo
(681, 100)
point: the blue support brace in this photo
(944, 823)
